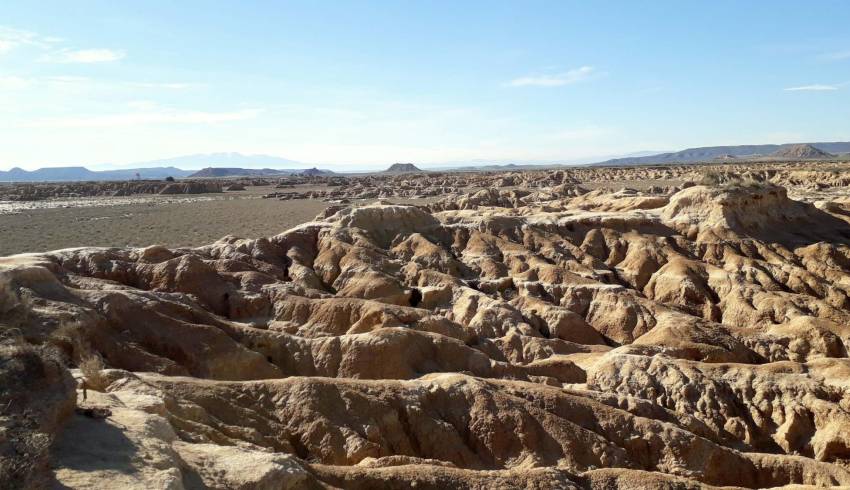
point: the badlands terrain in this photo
(640, 327)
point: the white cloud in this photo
(80, 82)
(11, 38)
(557, 80)
(165, 85)
(812, 88)
(51, 48)
(6, 45)
(100, 55)
(146, 105)
(13, 83)
(67, 79)
(163, 116)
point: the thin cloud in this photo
(52, 49)
(165, 85)
(817, 87)
(557, 80)
(67, 79)
(165, 116)
(11, 38)
(14, 83)
(20, 83)
(17, 82)
(836, 56)
(100, 55)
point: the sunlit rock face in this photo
(547, 336)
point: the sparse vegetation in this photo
(710, 178)
(92, 368)
(26, 372)
(731, 181)
(69, 339)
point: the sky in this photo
(359, 84)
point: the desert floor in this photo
(186, 221)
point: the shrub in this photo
(711, 178)
(92, 368)
(730, 181)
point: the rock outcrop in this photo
(547, 338)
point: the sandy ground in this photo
(190, 221)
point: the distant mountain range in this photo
(65, 174)
(178, 167)
(709, 153)
(237, 164)
(496, 164)
(212, 172)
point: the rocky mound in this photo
(801, 152)
(535, 339)
(314, 172)
(398, 168)
(750, 209)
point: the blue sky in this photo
(362, 84)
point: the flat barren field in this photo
(189, 221)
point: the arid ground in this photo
(635, 327)
(188, 221)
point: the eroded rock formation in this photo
(545, 337)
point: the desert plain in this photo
(676, 326)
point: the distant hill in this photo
(802, 152)
(77, 174)
(725, 152)
(399, 168)
(66, 174)
(315, 172)
(214, 172)
(160, 169)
